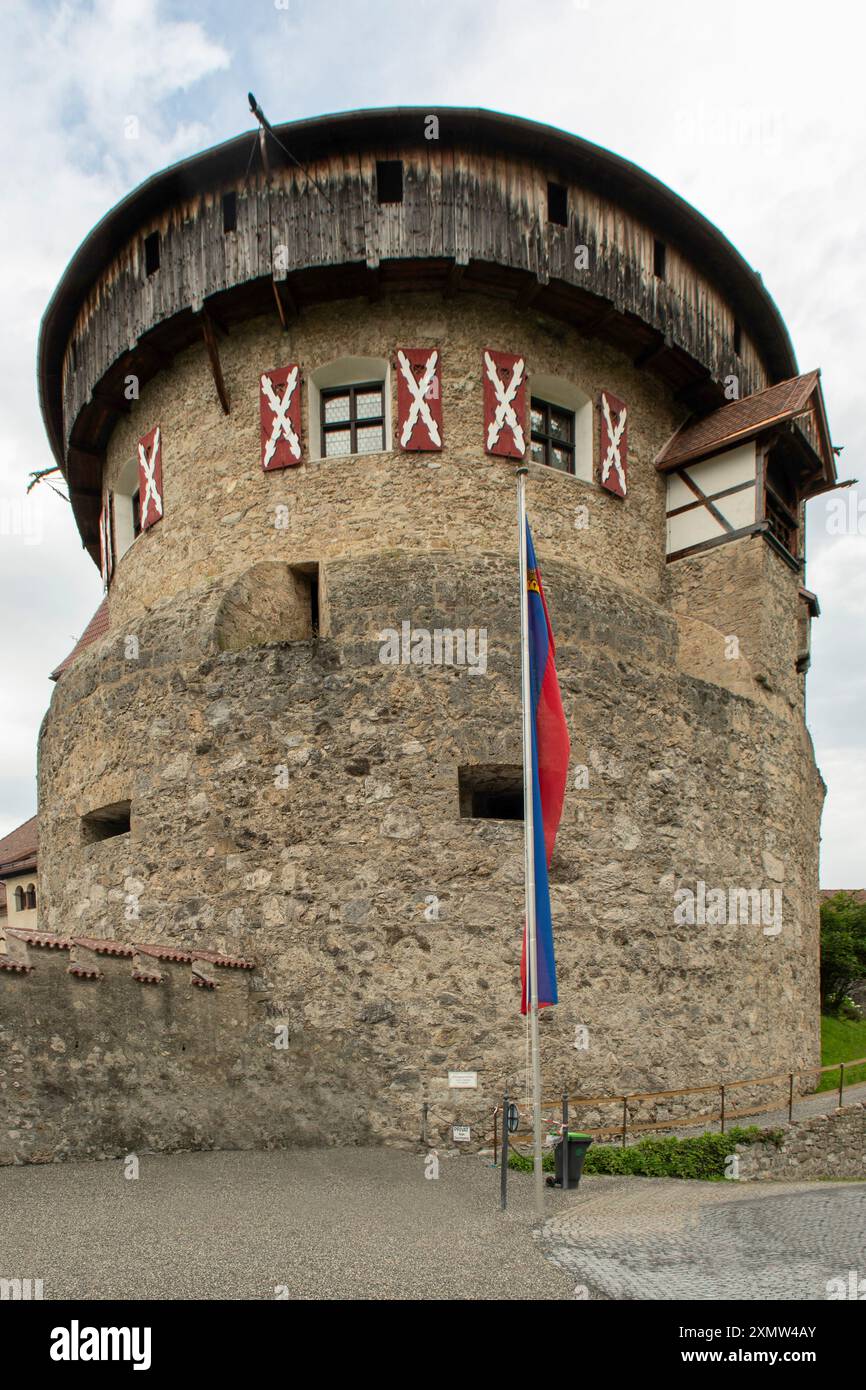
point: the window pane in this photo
(560, 424)
(537, 451)
(537, 418)
(560, 458)
(337, 442)
(336, 408)
(368, 404)
(370, 439)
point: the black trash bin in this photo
(577, 1147)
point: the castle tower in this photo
(290, 404)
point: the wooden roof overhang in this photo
(791, 414)
(669, 341)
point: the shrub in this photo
(703, 1157)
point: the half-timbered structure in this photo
(289, 396)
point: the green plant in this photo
(842, 1039)
(843, 948)
(703, 1157)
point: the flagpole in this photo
(528, 841)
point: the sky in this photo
(754, 112)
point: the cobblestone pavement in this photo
(665, 1238)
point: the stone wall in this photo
(296, 800)
(824, 1146)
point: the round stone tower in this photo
(290, 397)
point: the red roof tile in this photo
(96, 628)
(107, 946)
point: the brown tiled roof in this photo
(739, 420)
(18, 848)
(858, 894)
(96, 628)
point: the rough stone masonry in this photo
(297, 802)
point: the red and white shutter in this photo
(106, 540)
(504, 376)
(505, 403)
(150, 478)
(613, 453)
(280, 417)
(419, 398)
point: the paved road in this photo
(347, 1224)
(365, 1223)
(662, 1238)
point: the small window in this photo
(552, 437)
(389, 180)
(781, 505)
(30, 897)
(659, 253)
(738, 338)
(490, 791)
(151, 253)
(557, 204)
(20, 901)
(136, 513)
(306, 580)
(230, 212)
(353, 420)
(105, 823)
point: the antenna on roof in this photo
(265, 129)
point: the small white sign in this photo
(460, 1134)
(462, 1080)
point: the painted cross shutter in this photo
(419, 398)
(280, 417)
(613, 452)
(504, 376)
(150, 478)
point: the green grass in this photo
(842, 1039)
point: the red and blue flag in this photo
(550, 753)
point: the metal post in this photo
(495, 1136)
(790, 1097)
(528, 841)
(624, 1118)
(503, 1175)
(722, 1089)
(841, 1080)
(565, 1143)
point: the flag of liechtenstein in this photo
(550, 754)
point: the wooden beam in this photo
(454, 280)
(529, 293)
(758, 528)
(103, 398)
(286, 303)
(160, 356)
(214, 358)
(654, 352)
(694, 390)
(374, 284)
(597, 323)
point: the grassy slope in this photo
(842, 1039)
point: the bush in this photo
(703, 1157)
(843, 948)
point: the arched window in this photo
(31, 896)
(350, 407)
(561, 427)
(19, 899)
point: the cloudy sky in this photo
(753, 112)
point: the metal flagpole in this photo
(528, 841)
